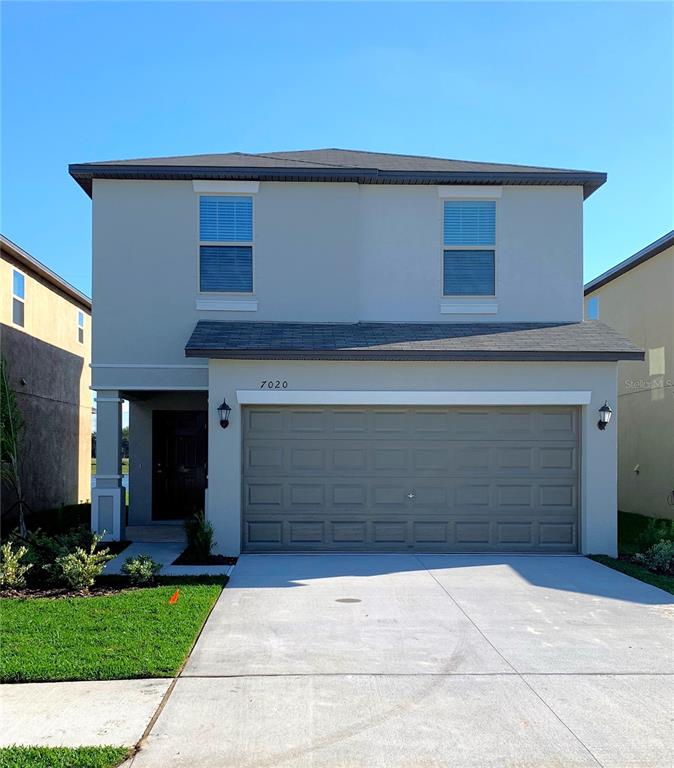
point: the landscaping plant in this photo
(655, 531)
(199, 533)
(659, 558)
(12, 570)
(141, 569)
(11, 441)
(44, 550)
(79, 569)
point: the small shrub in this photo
(199, 533)
(659, 558)
(654, 532)
(45, 549)
(141, 569)
(79, 569)
(12, 570)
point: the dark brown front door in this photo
(179, 450)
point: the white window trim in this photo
(395, 397)
(226, 187)
(22, 299)
(227, 305)
(452, 297)
(80, 326)
(488, 308)
(467, 192)
(225, 295)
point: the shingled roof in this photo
(331, 165)
(584, 341)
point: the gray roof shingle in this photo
(584, 341)
(332, 165)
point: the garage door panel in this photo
(430, 479)
(558, 495)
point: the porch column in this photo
(108, 506)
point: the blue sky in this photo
(573, 85)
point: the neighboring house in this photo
(45, 337)
(400, 340)
(636, 297)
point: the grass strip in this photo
(62, 757)
(130, 634)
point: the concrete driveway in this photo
(402, 661)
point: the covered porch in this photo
(168, 450)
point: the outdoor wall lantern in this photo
(223, 412)
(605, 414)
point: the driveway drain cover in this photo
(347, 600)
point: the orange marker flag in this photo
(174, 597)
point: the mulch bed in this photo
(185, 559)
(631, 559)
(58, 593)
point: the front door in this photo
(179, 450)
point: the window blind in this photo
(468, 273)
(226, 268)
(470, 222)
(226, 219)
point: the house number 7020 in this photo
(273, 384)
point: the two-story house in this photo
(635, 298)
(45, 341)
(400, 341)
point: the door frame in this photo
(174, 411)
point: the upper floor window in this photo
(469, 241)
(226, 244)
(80, 327)
(593, 308)
(18, 298)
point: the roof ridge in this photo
(282, 156)
(276, 155)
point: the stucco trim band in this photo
(393, 397)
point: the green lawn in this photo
(630, 527)
(125, 635)
(637, 572)
(62, 757)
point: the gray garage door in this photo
(410, 479)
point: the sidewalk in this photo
(79, 714)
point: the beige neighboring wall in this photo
(47, 354)
(640, 305)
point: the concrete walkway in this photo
(99, 713)
(392, 661)
(164, 552)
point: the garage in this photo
(391, 478)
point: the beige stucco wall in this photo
(51, 317)
(598, 448)
(640, 305)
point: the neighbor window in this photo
(18, 298)
(469, 241)
(226, 244)
(593, 308)
(80, 327)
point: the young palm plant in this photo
(11, 434)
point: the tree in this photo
(125, 442)
(11, 438)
